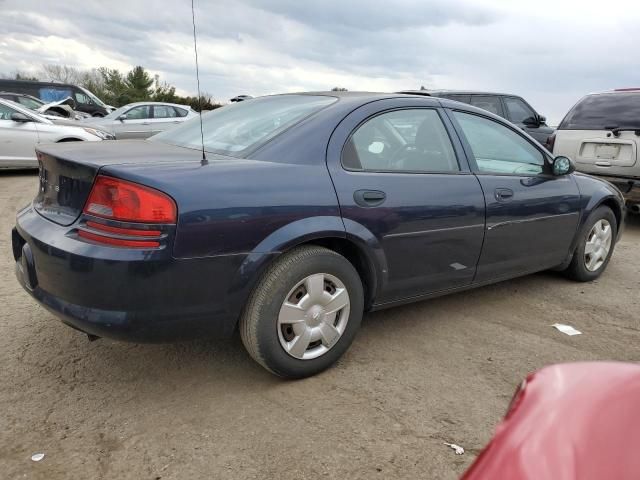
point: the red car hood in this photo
(569, 422)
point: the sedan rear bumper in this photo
(131, 295)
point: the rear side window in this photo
(54, 94)
(181, 112)
(489, 103)
(241, 126)
(412, 140)
(498, 149)
(604, 111)
(457, 97)
(163, 111)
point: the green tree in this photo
(139, 83)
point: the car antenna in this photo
(195, 49)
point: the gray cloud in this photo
(551, 52)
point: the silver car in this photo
(143, 119)
(22, 129)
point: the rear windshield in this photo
(604, 111)
(241, 126)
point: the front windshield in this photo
(96, 100)
(118, 111)
(241, 126)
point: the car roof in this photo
(618, 91)
(436, 93)
(136, 104)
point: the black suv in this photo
(512, 107)
(52, 92)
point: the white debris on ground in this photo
(36, 457)
(458, 449)
(567, 329)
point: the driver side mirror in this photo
(20, 117)
(534, 121)
(563, 166)
(122, 117)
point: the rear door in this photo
(137, 125)
(599, 134)
(532, 215)
(404, 185)
(164, 117)
(17, 140)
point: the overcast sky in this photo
(549, 51)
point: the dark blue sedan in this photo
(290, 215)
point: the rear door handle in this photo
(503, 194)
(369, 198)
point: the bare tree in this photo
(62, 73)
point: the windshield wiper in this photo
(616, 130)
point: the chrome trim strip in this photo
(435, 230)
(526, 220)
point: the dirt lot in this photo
(416, 376)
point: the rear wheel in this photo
(304, 313)
(595, 246)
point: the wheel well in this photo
(357, 258)
(69, 140)
(615, 208)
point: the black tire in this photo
(577, 270)
(259, 321)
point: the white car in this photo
(22, 129)
(143, 119)
(601, 133)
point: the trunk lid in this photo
(67, 171)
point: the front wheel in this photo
(595, 246)
(304, 313)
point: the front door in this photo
(532, 216)
(17, 140)
(137, 124)
(403, 184)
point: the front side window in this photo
(498, 149)
(413, 140)
(163, 111)
(83, 99)
(517, 110)
(139, 113)
(603, 112)
(245, 125)
(488, 103)
(6, 112)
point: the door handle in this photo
(369, 198)
(503, 194)
(146, 123)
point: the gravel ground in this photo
(416, 376)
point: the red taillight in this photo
(117, 199)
